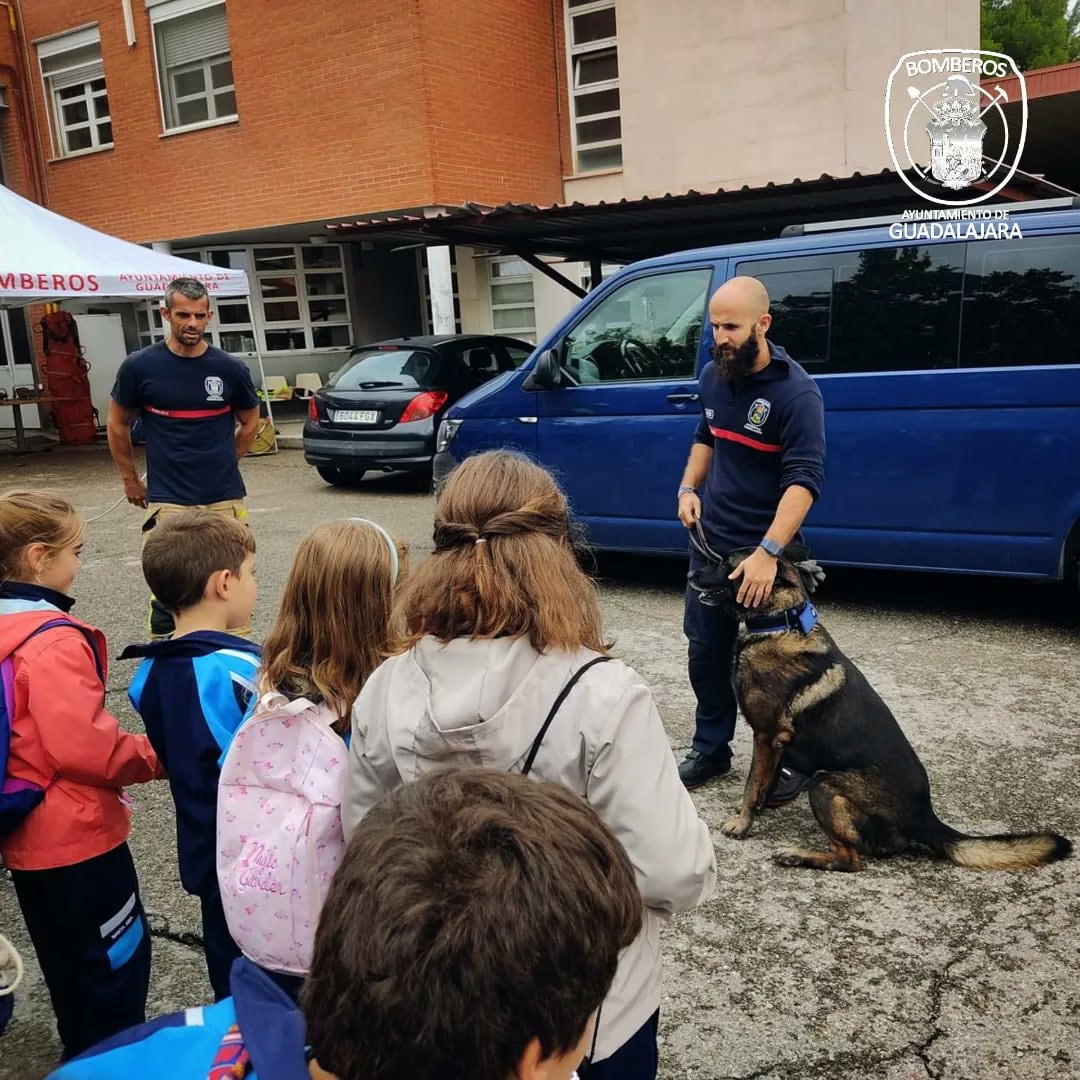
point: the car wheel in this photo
(340, 477)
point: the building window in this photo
(194, 63)
(512, 304)
(606, 271)
(20, 340)
(148, 323)
(594, 84)
(74, 80)
(298, 293)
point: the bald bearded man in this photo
(756, 467)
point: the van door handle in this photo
(683, 399)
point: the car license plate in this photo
(356, 416)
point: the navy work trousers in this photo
(90, 935)
(636, 1059)
(711, 634)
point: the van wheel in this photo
(340, 477)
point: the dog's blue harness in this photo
(803, 617)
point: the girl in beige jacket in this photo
(496, 622)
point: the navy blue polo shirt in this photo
(766, 433)
(187, 405)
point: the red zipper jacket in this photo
(64, 740)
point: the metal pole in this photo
(262, 371)
(440, 290)
(9, 345)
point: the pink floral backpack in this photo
(279, 836)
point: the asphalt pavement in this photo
(909, 969)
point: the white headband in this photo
(389, 543)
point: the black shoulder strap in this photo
(527, 767)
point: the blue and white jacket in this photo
(259, 1019)
(192, 693)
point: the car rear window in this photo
(388, 368)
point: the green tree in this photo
(1035, 33)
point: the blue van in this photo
(950, 371)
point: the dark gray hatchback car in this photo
(381, 409)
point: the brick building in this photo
(235, 131)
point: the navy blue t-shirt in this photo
(187, 405)
(766, 432)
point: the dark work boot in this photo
(698, 768)
(786, 787)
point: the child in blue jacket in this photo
(193, 689)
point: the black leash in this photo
(700, 544)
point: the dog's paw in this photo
(786, 856)
(736, 828)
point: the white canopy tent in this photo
(46, 257)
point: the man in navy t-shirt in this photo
(191, 397)
(755, 469)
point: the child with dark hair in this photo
(472, 931)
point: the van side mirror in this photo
(546, 373)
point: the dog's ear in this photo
(796, 553)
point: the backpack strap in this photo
(74, 626)
(275, 701)
(527, 767)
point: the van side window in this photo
(1022, 302)
(648, 328)
(880, 309)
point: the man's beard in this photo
(733, 362)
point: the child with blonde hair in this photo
(64, 821)
(333, 627)
(279, 835)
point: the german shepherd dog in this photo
(808, 704)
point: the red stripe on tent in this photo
(754, 444)
(190, 414)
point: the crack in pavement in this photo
(826, 1066)
(938, 979)
(834, 1064)
(159, 928)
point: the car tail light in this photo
(312, 409)
(424, 405)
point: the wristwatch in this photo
(772, 547)
(686, 489)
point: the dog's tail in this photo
(1006, 851)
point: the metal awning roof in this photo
(633, 229)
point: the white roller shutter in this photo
(77, 76)
(199, 35)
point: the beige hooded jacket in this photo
(481, 703)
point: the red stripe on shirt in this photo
(754, 444)
(188, 414)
